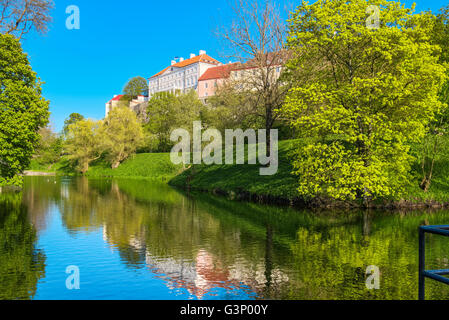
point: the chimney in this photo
(181, 59)
(202, 52)
(173, 62)
(192, 55)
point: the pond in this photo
(143, 240)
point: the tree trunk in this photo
(115, 165)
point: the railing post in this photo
(422, 264)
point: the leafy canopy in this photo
(23, 111)
(361, 95)
(135, 87)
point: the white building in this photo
(181, 76)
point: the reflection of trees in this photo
(206, 242)
(333, 266)
(39, 193)
(21, 264)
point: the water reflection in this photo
(204, 247)
(21, 264)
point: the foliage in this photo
(167, 111)
(135, 87)
(22, 110)
(432, 146)
(123, 135)
(49, 149)
(362, 95)
(84, 143)
(74, 117)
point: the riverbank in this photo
(244, 183)
(155, 166)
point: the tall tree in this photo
(362, 95)
(23, 111)
(18, 17)
(73, 118)
(256, 38)
(167, 111)
(433, 145)
(84, 143)
(123, 135)
(135, 87)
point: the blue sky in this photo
(118, 40)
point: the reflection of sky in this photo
(104, 275)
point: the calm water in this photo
(134, 239)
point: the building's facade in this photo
(209, 82)
(181, 76)
(138, 104)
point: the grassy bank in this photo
(243, 182)
(146, 165)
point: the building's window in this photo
(206, 85)
(278, 69)
(206, 94)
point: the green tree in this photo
(84, 143)
(167, 111)
(135, 87)
(361, 95)
(74, 117)
(123, 135)
(23, 111)
(433, 146)
(49, 149)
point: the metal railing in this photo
(437, 275)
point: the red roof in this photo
(220, 72)
(117, 98)
(201, 58)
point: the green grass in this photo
(242, 179)
(145, 165)
(238, 179)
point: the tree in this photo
(23, 111)
(361, 96)
(18, 17)
(123, 135)
(49, 150)
(167, 111)
(433, 144)
(84, 143)
(73, 118)
(135, 87)
(257, 34)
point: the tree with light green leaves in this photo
(123, 135)
(167, 111)
(84, 143)
(73, 117)
(366, 82)
(434, 145)
(23, 111)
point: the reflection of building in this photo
(206, 273)
(181, 76)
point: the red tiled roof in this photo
(117, 98)
(220, 72)
(201, 58)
